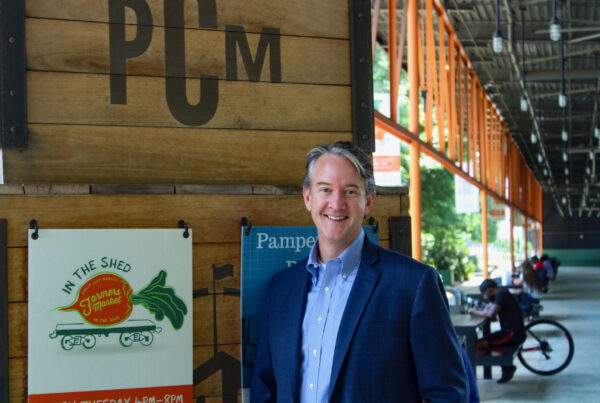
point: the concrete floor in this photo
(574, 301)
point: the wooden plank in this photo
(17, 380)
(109, 154)
(212, 386)
(17, 329)
(85, 99)
(17, 274)
(52, 46)
(213, 218)
(301, 17)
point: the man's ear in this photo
(369, 204)
(306, 196)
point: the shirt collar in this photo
(350, 257)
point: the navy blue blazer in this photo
(395, 342)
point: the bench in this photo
(501, 356)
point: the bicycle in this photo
(548, 348)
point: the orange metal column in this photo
(525, 224)
(413, 94)
(393, 72)
(484, 232)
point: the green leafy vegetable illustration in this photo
(161, 301)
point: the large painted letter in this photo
(121, 49)
(235, 37)
(204, 110)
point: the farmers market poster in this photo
(110, 316)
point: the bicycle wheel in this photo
(548, 348)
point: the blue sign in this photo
(266, 251)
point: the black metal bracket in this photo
(373, 221)
(13, 114)
(362, 75)
(183, 224)
(34, 226)
(246, 223)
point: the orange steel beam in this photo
(469, 121)
(460, 111)
(406, 135)
(484, 232)
(525, 230)
(374, 23)
(401, 43)
(431, 67)
(393, 72)
(452, 95)
(413, 96)
(443, 82)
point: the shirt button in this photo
(315, 352)
(326, 289)
(319, 319)
(344, 276)
(311, 386)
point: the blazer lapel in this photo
(296, 304)
(364, 284)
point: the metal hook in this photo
(34, 226)
(246, 223)
(183, 224)
(373, 221)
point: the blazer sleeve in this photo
(440, 370)
(263, 387)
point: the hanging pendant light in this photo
(497, 38)
(566, 171)
(555, 28)
(533, 137)
(565, 156)
(591, 155)
(564, 135)
(597, 132)
(545, 172)
(523, 98)
(540, 158)
(562, 97)
(523, 103)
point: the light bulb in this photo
(564, 200)
(533, 137)
(523, 104)
(562, 100)
(591, 155)
(497, 42)
(564, 135)
(587, 171)
(567, 181)
(565, 156)
(540, 158)
(555, 29)
(566, 171)
(597, 132)
(545, 172)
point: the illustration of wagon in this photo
(132, 330)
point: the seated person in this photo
(532, 287)
(512, 329)
(541, 271)
(550, 270)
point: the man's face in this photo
(489, 294)
(337, 201)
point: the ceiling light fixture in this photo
(523, 98)
(597, 132)
(591, 155)
(545, 172)
(565, 156)
(540, 158)
(562, 97)
(497, 38)
(566, 171)
(523, 103)
(533, 137)
(555, 28)
(564, 135)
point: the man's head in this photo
(338, 190)
(488, 288)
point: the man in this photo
(512, 329)
(354, 322)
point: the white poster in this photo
(110, 316)
(466, 196)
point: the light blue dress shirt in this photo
(326, 301)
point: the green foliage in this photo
(161, 301)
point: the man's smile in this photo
(336, 218)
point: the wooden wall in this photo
(138, 117)
(215, 221)
(77, 68)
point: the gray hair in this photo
(343, 149)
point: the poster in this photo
(110, 316)
(266, 251)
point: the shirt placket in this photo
(322, 313)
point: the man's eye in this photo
(324, 190)
(351, 192)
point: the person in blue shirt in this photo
(354, 322)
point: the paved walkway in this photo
(574, 301)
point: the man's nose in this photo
(336, 200)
